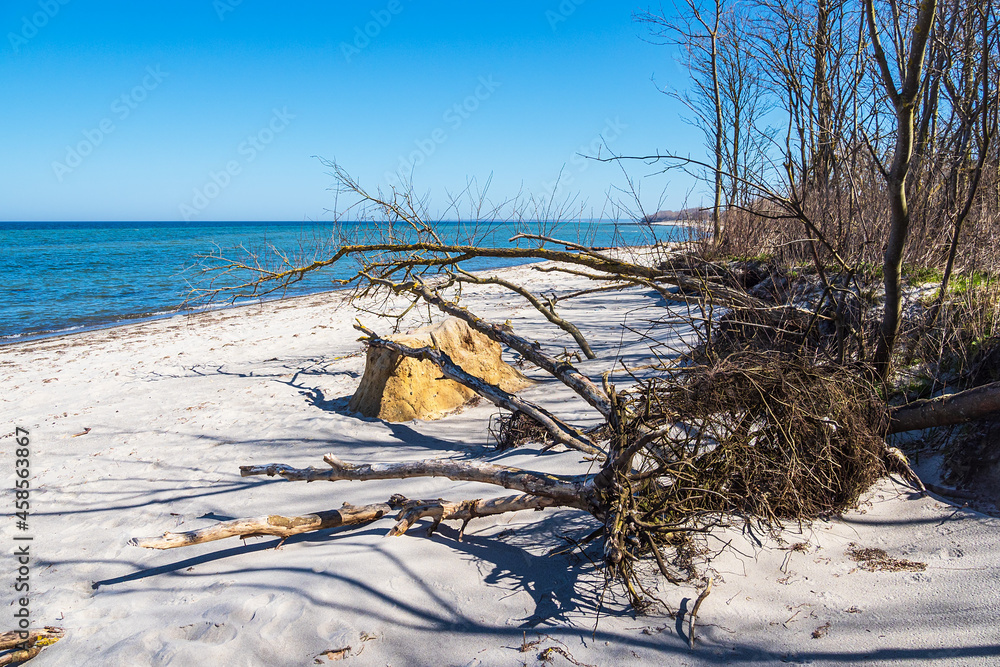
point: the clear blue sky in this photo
(135, 111)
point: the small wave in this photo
(96, 324)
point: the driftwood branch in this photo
(559, 431)
(957, 408)
(407, 511)
(694, 612)
(464, 511)
(21, 649)
(568, 490)
(278, 526)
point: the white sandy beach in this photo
(175, 406)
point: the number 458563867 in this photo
(22, 470)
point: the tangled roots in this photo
(763, 435)
(510, 430)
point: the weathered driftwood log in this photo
(957, 408)
(409, 512)
(464, 511)
(567, 490)
(559, 431)
(21, 649)
(398, 387)
(273, 524)
(694, 611)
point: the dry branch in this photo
(273, 524)
(568, 490)
(408, 513)
(561, 370)
(694, 291)
(694, 612)
(465, 510)
(547, 308)
(442, 256)
(21, 649)
(559, 430)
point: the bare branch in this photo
(546, 309)
(272, 524)
(570, 490)
(559, 431)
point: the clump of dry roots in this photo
(765, 437)
(513, 429)
(775, 437)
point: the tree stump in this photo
(397, 388)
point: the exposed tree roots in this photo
(517, 428)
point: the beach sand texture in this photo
(175, 406)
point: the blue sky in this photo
(217, 109)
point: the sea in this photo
(65, 277)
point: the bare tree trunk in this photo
(824, 104)
(904, 102)
(717, 99)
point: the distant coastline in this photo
(685, 216)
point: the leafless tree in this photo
(697, 31)
(909, 59)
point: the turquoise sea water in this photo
(59, 277)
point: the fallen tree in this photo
(760, 439)
(947, 410)
(765, 421)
